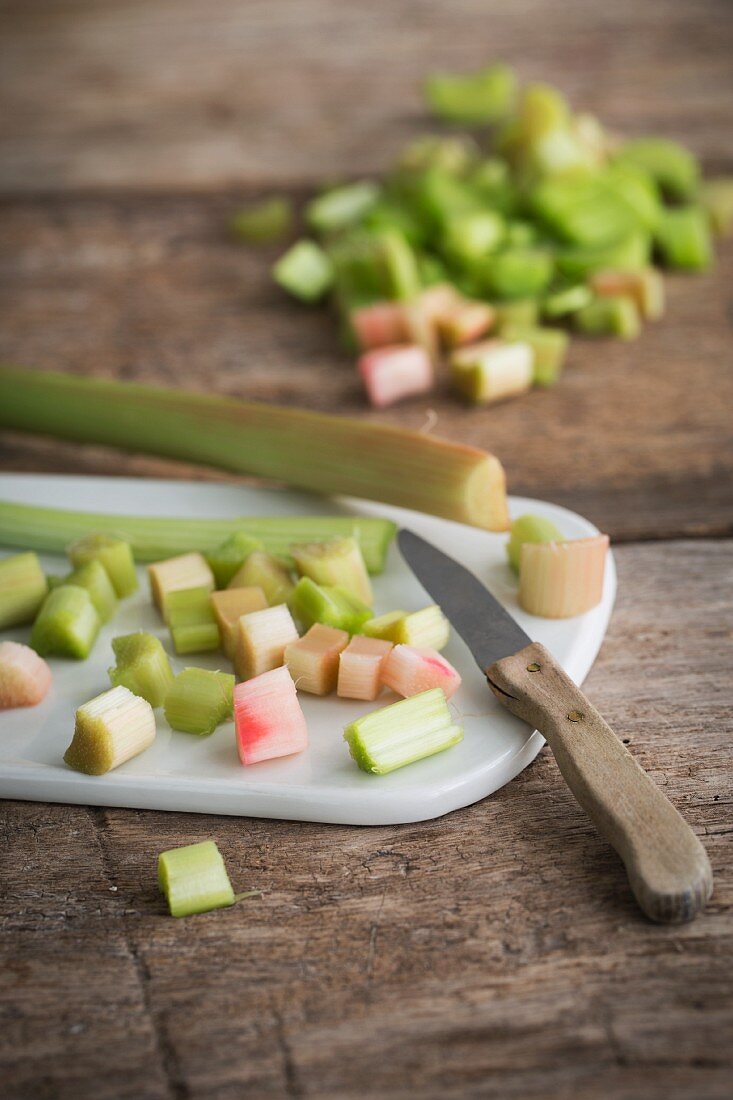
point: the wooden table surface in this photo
(495, 952)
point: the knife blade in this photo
(667, 866)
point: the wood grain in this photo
(637, 436)
(494, 953)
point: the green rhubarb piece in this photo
(402, 733)
(264, 222)
(520, 234)
(230, 555)
(472, 236)
(628, 254)
(523, 312)
(110, 729)
(491, 181)
(95, 578)
(400, 265)
(683, 238)
(519, 273)
(336, 563)
(269, 573)
(305, 271)
(387, 214)
(67, 624)
(115, 555)
(23, 588)
(543, 139)
(549, 348)
(472, 99)
(199, 700)
(612, 316)
(194, 879)
(315, 603)
(716, 198)
(425, 629)
(341, 207)
(385, 627)
(583, 211)
(191, 620)
(638, 189)
(562, 303)
(529, 528)
(454, 154)
(673, 167)
(142, 667)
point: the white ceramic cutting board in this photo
(184, 772)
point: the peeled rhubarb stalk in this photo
(142, 666)
(23, 588)
(313, 661)
(394, 372)
(194, 879)
(360, 668)
(268, 717)
(110, 729)
(261, 640)
(325, 454)
(409, 670)
(182, 572)
(229, 606)
(402, 733)
(338, 562)
(25, 678)
(558, 580)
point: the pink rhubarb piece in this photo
(380, 324)
(360, 668)
(392, 373)
(268, 718)
(25, 678)
(409, 670)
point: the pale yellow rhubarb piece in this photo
(425, 629)
(338, 562)
(385, 626)
(492, 370)
(560, 579)
(313, 661)
(360, 668)
(110, 729)
(645, 288)
(261, 640)
(264, 571)
(185, 571)
(229, 605)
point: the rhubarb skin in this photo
(379, 325)
(268, 717)
(360, 668)
(313, 661)
(558, 580)
(25, 678)
(391, 373)
(408, 671)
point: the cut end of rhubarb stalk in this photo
(313, 661)
(199, 700)
(402, 733)
(558, 580)
(426, 629)
(337, 562)
(194, 879)
(530, 528)
(183, 571)
(360, 668)
(25, 678)
(409, 670)
(391, 373)
(261, 641)
(142, 667)
(268, 717)
(110, 729)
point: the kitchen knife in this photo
(667, 866)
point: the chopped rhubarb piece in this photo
(23, 588)
(438, 301)
(560, 579)
(529, 528)
(492, 371)
(338, 562)
(360, 668)
(110, 729)
(267, 572)
(199, 700)
(268, 717)
(229, 606)
(262, 638)
(392, 373)
(194, 879)
(379, 325)
(184, 571)
(408, 671)
(466, 322)
(385, 626)
(645, 287)
(313, 661)
(142, 667)
(426, 629)
(25, 678)
(67, 624)
(402, 733)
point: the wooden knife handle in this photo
(667, 866)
